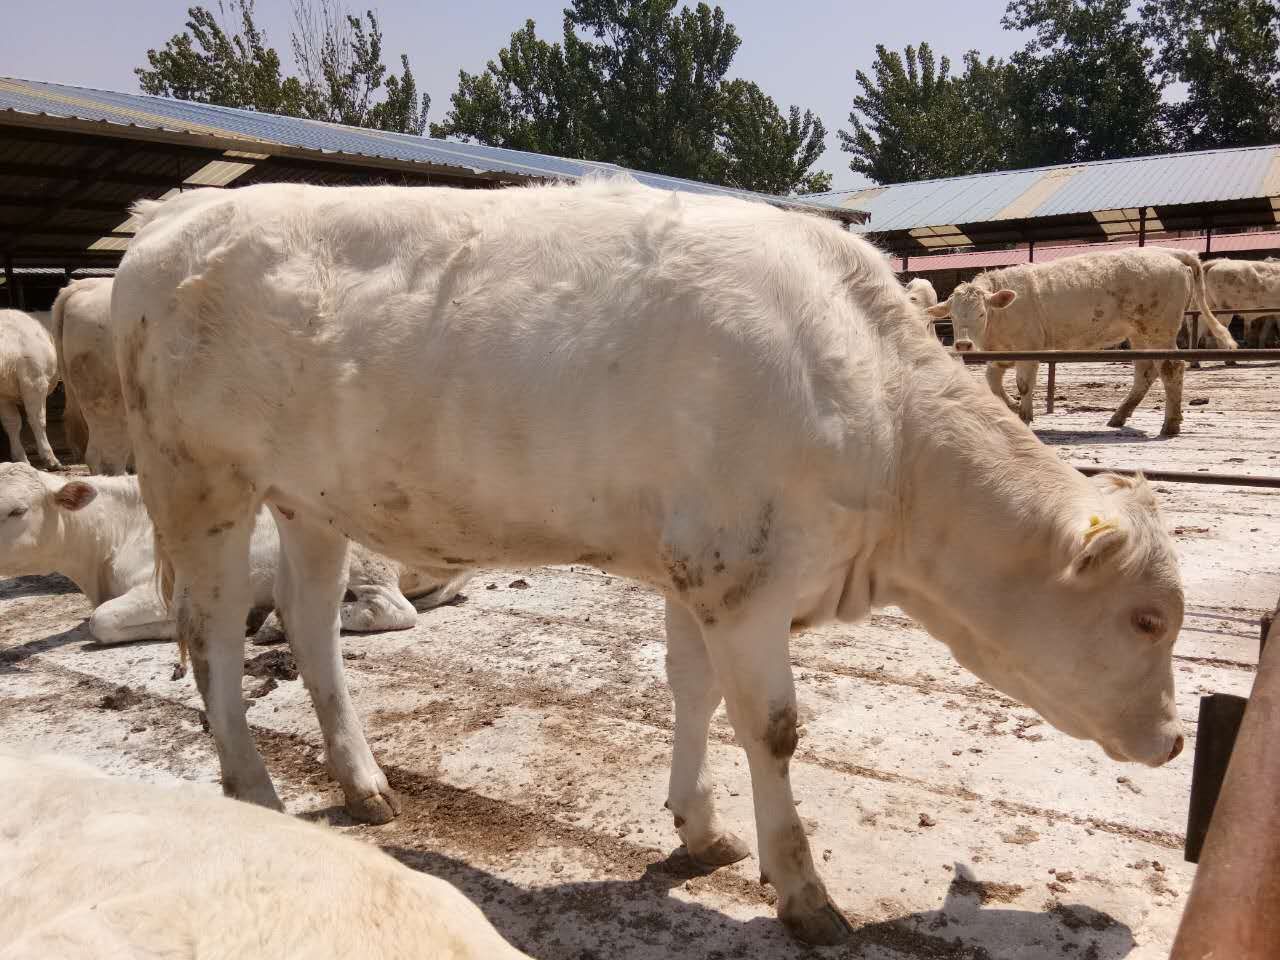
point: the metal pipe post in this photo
(1232, 910)
(1053, 386)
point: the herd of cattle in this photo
(737, 405)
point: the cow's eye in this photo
(17, 511)
(1148, 622)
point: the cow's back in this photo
(1089, 301)
(557, 366)
(98, 867)
(1242, 284)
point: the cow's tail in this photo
(1214, 325)
(75, 428)
(164, 580)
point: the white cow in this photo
(727, 401)
(1091, 301)
(1235, 285)
(28, 374)
(100, 868)
(920, 292)
(96, 531)
(81, 330)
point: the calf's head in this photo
(968, 308)
(31, 507)
(1081, 629)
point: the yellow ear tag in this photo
(1097, 526)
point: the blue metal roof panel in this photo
(1201, 177)
(139, 110)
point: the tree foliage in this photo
(1227, 52)
(914, 120)
(640, 83)
(1083, 88)
(224, 58)
(1090, 84)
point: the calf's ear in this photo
(1100, 540)
(75, 495)
(1001, 299)
(940, 310)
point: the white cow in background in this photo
(99, 868)
(81, 330)
(920, 292)
(96, 532)
(727, 401)
(1091, 301)
(1235, 285)
(28, 374)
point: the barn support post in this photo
(1231, 909)
(9, 284)
(1053, 386)
(1031, 251)
(1142, 227)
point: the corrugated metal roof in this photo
(984, 259)
(1207, 176)
(264, 131)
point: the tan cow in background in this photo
(1235, 285)
(81, 330)
(1087, 302)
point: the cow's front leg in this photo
(1025, 376)
(11, 418)
(137, 615)
(995, 380)
(749, 651)
(696, 693)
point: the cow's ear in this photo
(940, 310)
(1100, 540)
(1001, 299)
(75, 495)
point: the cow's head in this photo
(968, 308)
(31, 503)
(1080, 629)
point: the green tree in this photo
(340, 61)
(642, 84)
(1227, 52)
(913, 120)
(1085, 87)
(213, 62)
(224, 58)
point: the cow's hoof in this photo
(723, 850)
(1171, 430)
(1229, 363)
(1117, 421)
(823, 927)
(1194, 364)
(380, 807)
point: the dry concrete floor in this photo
(529, 728)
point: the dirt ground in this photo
(528, 730)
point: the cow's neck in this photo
(985, 506)
(90, 539)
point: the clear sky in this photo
(803, 52)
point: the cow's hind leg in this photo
(309, 586)
(11, 417)
(33, 400)
(696, 693)
(1171, 376)
(749, 652)
(1144, 374)
(210, 554)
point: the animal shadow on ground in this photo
(1111, 435)
(43, 586)
(641, 917)
(12, 657)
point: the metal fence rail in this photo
(1111, 356)
(1175, 476)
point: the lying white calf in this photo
(97, 867)
(96, 531)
